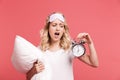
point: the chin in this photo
(55, 40)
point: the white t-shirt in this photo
(61, 64)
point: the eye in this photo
(62, 26)
(54, 25)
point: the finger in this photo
(84, 40)
(38, 65)
(79, 36)
(35, 62)
(39, 62)
(39, 69)
(82, 35)
(87, 36)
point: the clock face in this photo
(78, 50)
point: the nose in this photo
(58, 28)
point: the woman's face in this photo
(56, 30)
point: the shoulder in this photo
(70, 53)
(39, 48)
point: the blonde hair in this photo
(65, 41)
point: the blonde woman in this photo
(56, 45)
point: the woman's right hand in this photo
(37, 68)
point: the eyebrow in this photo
(57, 23)
(62, 24)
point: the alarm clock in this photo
(78, 48)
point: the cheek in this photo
(51, 31)
(63, 31)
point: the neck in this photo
(54, 46)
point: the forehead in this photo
(57, 21)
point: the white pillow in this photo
(25, 54)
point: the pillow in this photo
(25, 54)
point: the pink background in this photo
(100, 18)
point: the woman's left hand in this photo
(85, 37)
(91, 57)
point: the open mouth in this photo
(56, 33)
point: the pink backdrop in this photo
(100, 18)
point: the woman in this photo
(56, 45)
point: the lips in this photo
(56, 34)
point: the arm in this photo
(91, 58)
(37, 67)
